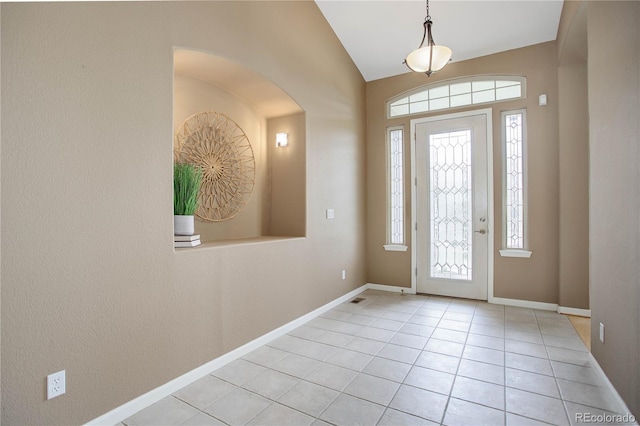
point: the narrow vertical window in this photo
(395, 142)
(514, 188)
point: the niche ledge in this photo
(236, 242)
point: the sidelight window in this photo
(514, 184)
(395, 177)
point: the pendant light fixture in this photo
(430, 58)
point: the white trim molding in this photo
(543, 306)
(515, 253)
(488, 113)
(524, 229)
(574, 311)
(391, 288)
(395, 247)
(396, 159)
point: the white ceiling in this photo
(379, 34)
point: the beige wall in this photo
(574, 157)
(287, 176)
(574, 187)
(90, 280)
(534, 279)
(85, 163)
(0, 221)
(614, 203)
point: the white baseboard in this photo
(500, 301)
(574, 311)
(132, 407)
(391, 288)
(541, 306)
(524, 304)
(621, 406)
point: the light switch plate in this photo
(542, 100)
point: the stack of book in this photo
(186, 240)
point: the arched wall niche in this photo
(277, 207)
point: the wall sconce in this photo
(282, 139)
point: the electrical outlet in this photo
(602, 332)
(331, 214)
(56, 384)
(344, 274)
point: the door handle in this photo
(482, 231)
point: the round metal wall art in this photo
(216, 144)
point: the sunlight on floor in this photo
(583, 328)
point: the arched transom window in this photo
(457, 93)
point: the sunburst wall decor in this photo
(216, 143)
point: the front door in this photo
(452, 204)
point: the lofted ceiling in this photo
(378, 34)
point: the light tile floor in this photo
(402, 360)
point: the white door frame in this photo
(487, 112)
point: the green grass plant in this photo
(186, 184)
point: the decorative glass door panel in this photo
(451, 196)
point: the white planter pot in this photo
(183, 225)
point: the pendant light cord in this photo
(427, 21)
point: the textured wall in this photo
(574, 187)
(614, 197)
(90, 280)
(574, 157)
(287, 176)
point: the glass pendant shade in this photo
(428, 59)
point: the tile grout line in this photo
(405, 378)
(504, 369)
(555, 379)
(384, 306)
(455, 376)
